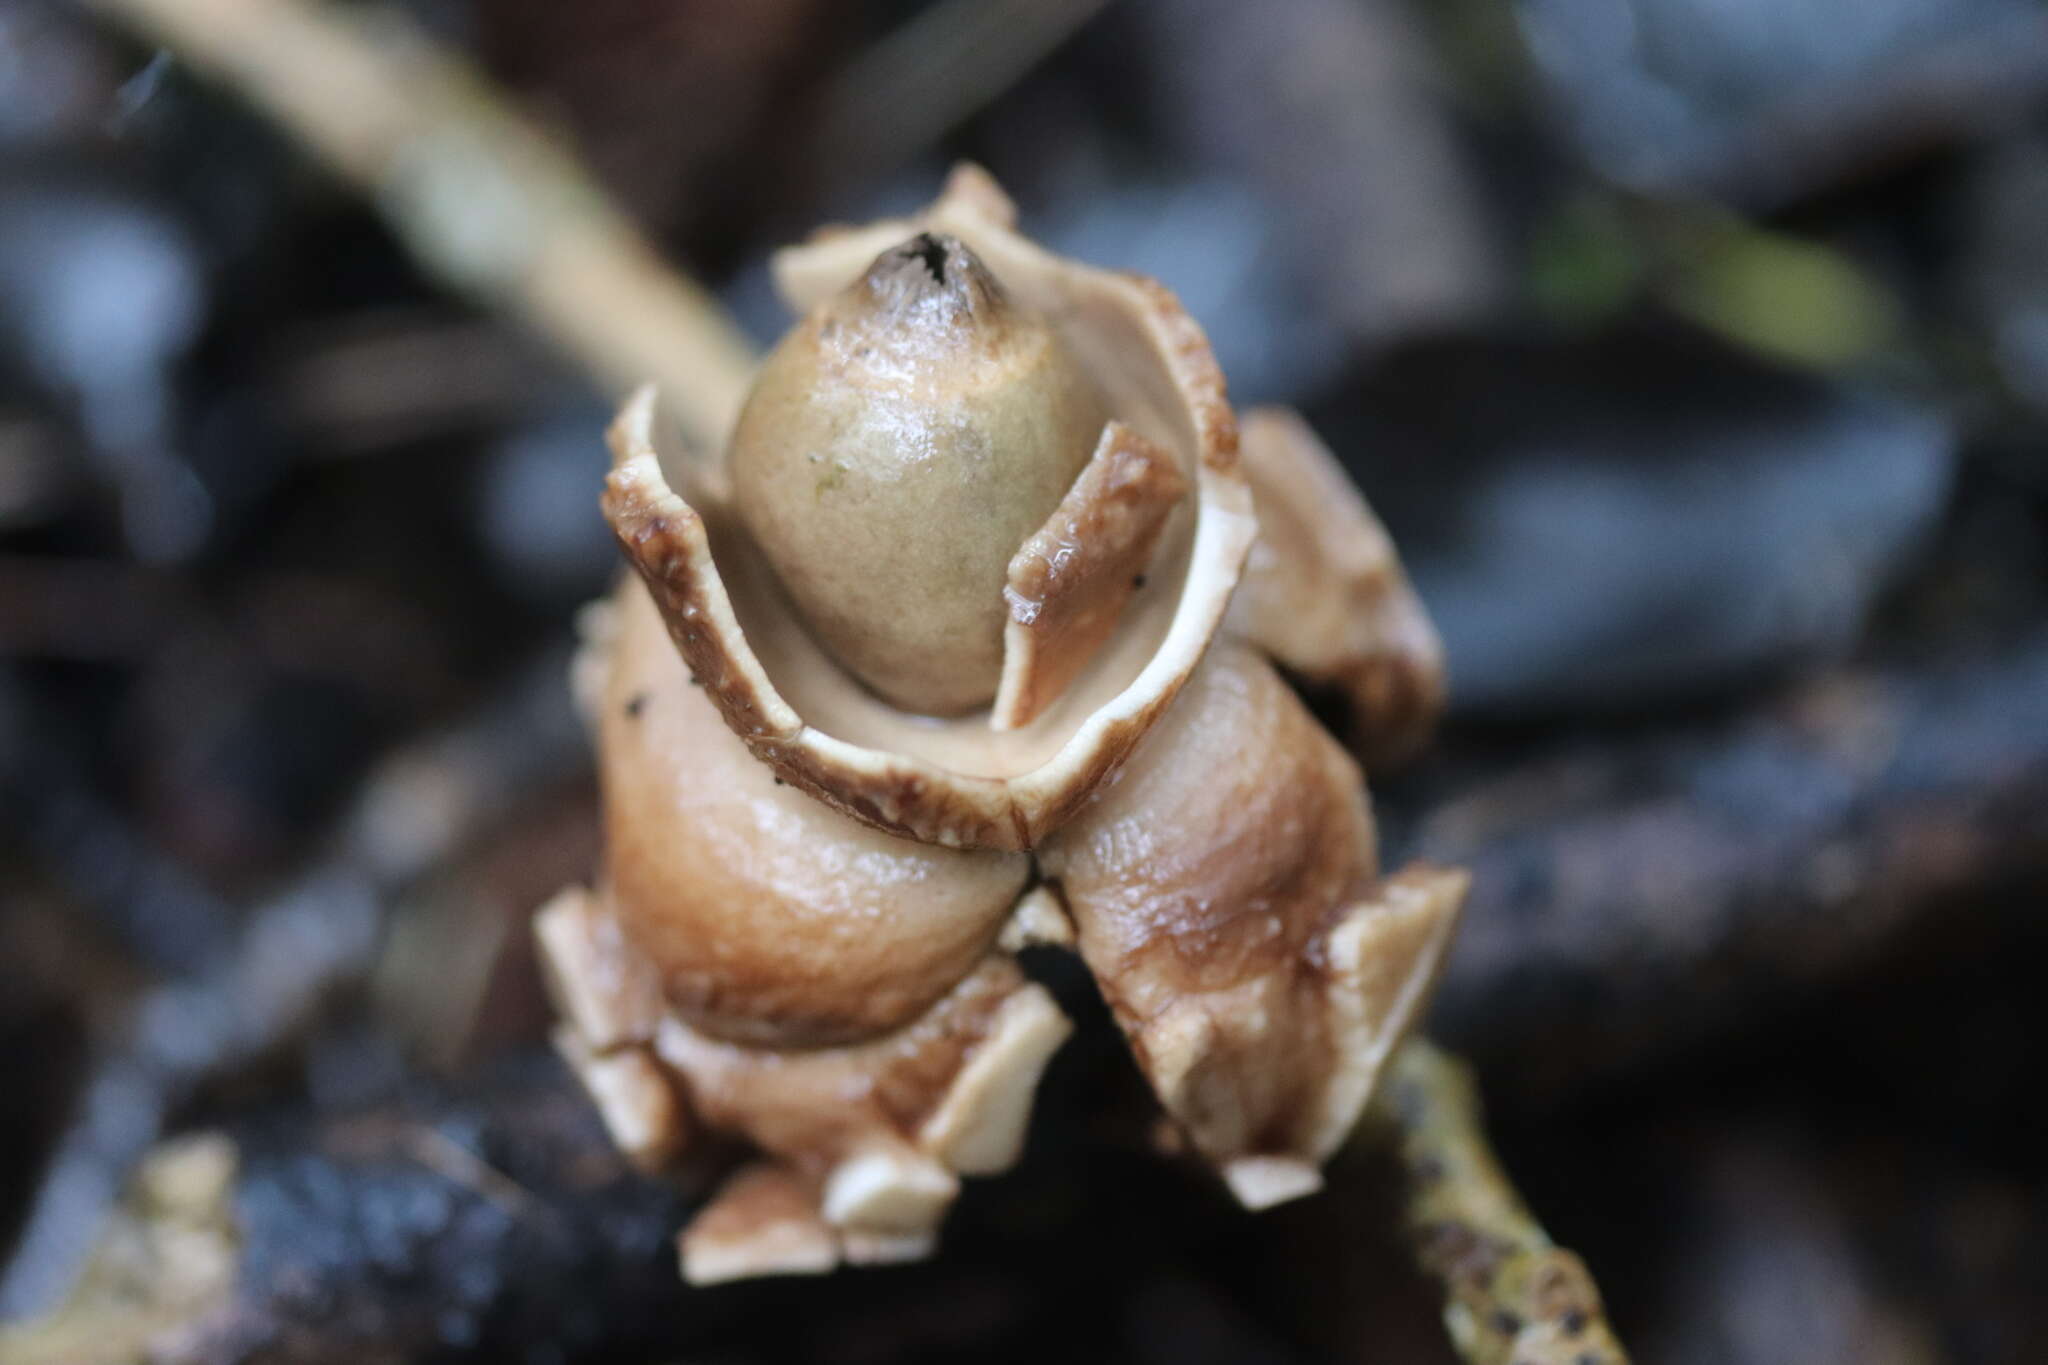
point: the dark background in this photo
(1695, 351)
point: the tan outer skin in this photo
(899, 445)
(880, 1091)
(1205, 882)
(772, 918)
(1068, 584)
(1324, 593)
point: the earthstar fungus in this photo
(933, 662)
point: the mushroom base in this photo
(812, 900)
(861, 1147)
(1225, 893)
(1227, 897)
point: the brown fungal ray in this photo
(609, 1000)
(1324, 593)
(763, 1221)
(1068, 583)
(880, 1131)
(955, 781)
(769, 918)
(1226, 896)
(818, 1107)
(609, 995)
(634, 1096)
(863, 1143)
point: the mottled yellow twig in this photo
(1511, 1297)
(486, 201)
(164, 1262)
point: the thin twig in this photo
(481, 196)
(1511, 1296)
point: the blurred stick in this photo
(481, 196)
(1636, 894)
(1510, 1294)
(903, 94)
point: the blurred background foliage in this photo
(1695, 351)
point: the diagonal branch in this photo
(485, 200)
(1511, 1296)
